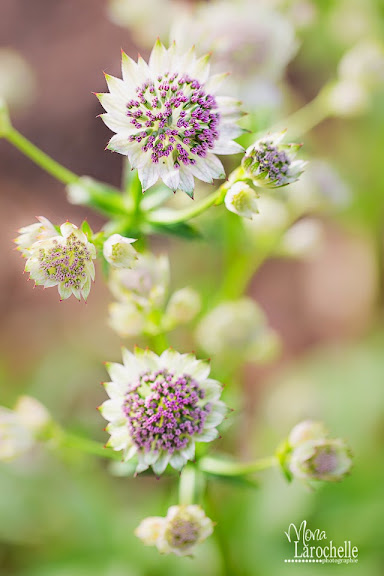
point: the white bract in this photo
(64, 260)
(179, 532)
(169, 120)
(119, 252)
(160, 406)
(31, 234)
(241, 199)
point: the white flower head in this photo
(183, 306)
(323, 459)
(31, 234)
(271, 164)
(179, 532)
(160, 406)
(119, 252)
(241, 199)
(305, 431)
(65, 261)
(237, 328)
(168, 119)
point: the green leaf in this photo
(181, 229)
(85, 227)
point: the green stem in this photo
(188, 213)
(306, 118)
(68, 440)
(39, 157)
(218, 467)
(188, 486)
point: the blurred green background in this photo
(65, 514)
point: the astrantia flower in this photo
(65, 261)
(179, 532)
(323, 459)
(31, 234)
(271, 164)
(241, 199)
(168, 119)
(305, 431)
(160, 406)
(119, 252)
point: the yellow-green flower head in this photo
(169, 120)
(179, 532)
(160, 406)
(64, 260)
(271, 164)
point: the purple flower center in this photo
(273, 161)
(165, 411)
(65, 262)
(174, 117)
(325, 462)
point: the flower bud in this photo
(304, 239)
(126, 318)
(15, 438)
(241, 199)
(347, 98)
(179, 532)
(323, 459)
(119, 252)
(271, 164)
(182, 307)
(305, 431)
(33, 414)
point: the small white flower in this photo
(303, 240)
(179, 532)
(31, 234)
(65, 261)
(19, 428)
(364, 64)
(241, 199)
(182, 307)
(119, 252)
(348, 98)
(160, 406)
(323, 459)
(237, 329)
(271, 164)
(168, 119)
(17, 80)
(305, 431)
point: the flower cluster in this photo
(169, 120)
(61, 258)
(160, 406)
(141, 295)
(179, 532)
(315, 456)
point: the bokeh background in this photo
(66, 514)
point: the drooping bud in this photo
(119, 252)
(241, 199)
